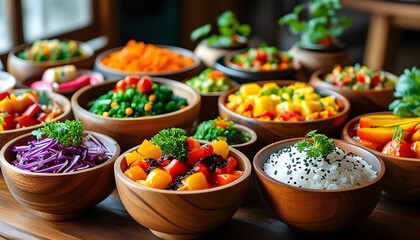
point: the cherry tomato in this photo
(121, 85)
(145, 84)
(398, 148)
(131, 80)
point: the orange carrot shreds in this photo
(145, 58)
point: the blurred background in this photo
(111, 23)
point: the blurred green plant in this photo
(230, 31)
(316, 21)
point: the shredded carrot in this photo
(141, 57)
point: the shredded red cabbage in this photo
(49, 156)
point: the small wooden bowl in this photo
(173, 214)
(23, 69)
(313, 211)
(129, 132)
(364, 101)
(272, 131)
(59, 196)
(179, 75)
(209, 54)
(8, 135)
(402, 177)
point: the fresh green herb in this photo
(172, 141)
(320, 145)
(67, 133)
(3, 115)
(408, 92)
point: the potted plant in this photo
(318, 25)
(232, 35)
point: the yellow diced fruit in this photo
(135, 173)
(288, 107)
(220, 148)
(312, 96)
(132, 156)
(328, 101)
(149, 150)
(249, 89)
(262, 104)
(158, 178)
(268, 86)
(309, 107)
(303, 91)
(196, 181)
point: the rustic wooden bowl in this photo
(179, 75)
(59, 196)
(248, 148)
(182, 214)
(129, 132)
(7, 81)
(402, 177)
(8, 135)
(24, 69)
(362, 102)
(272, 131)
(209, 54)
(313, 211)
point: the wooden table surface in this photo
(109, 220)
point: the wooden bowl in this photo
(209, 54)
(23, 69)
(272, 131)
(173, 214)
(179, 75)
(59, 196)
(7, 81)
(8, 135)
(247, 148)
(364, 101)
(129, 132)
(314, 211)
(402, 177)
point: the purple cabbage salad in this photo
(55, 153)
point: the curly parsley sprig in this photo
(67, 133)
(320, 146)
(172, 141)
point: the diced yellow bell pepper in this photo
(149, 150)
(196, 181)
(135, 173)
(221, 148)
(132, 156)
(157, 178)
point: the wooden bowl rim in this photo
(12, 168)
(138, 187)
(178, 50)
(260, 172)
(347, 137)
(163, 81)
(343, 98)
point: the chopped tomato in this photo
(228, 166)
(192, 143)
(145, 84)
(223, 179)
(120, 85)
(175, 168)
(199, 153)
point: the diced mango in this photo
(249, 89)
(309, 107)
(271, 85)
(263, 104)
(288, 107)
(328, 101)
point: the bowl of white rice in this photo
(319, 194)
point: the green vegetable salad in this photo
(46, 50)
(220, 129)
(210, 80)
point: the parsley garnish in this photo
(67, 133)
(172, 141)
(320, 145)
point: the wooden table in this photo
(386, 17)
(109, 220)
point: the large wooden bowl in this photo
(318, 211)
(64, 103)
(59, 196)
(364, 101)
(173, 214)
(402, 177)
(179, 75)
(129, 132)
(272, 131)
(24, 69)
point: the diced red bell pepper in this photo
(176, 167)
(8, 122)
(4, 95)
(223, 179)
(141, 163)
(192, 143)
(229, 167)
(26, 121)
(32, 110)
(199, 153)
(41, 116)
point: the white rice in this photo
(337, 170)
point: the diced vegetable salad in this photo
(25, 109)
(296, 102)
(137, 97)
(60, 147)
(210, 80)
(264, 58)
(220, 129)
(173, 161)
(46, 50)
(359, 77)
